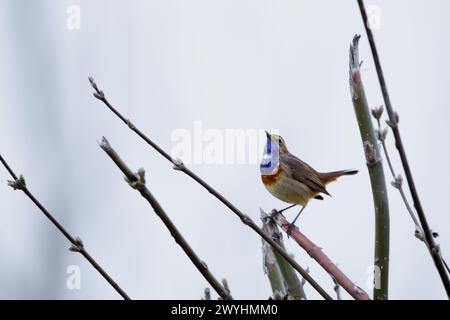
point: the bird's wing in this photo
(302, 172)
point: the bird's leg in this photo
(292, 224)
(274, 213)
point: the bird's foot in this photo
(275, 212)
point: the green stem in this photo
(273, 272)
(294, 286)
(376, 173)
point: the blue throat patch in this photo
(270, 158)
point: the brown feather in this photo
(328, 177)
(302, 172)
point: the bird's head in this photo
(275, 146)
(278, 140)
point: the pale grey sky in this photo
(231, 65)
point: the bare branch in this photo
(398, 181)
(77, 244)
(137, 181)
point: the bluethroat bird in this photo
(290, 179)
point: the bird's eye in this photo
(280, 141)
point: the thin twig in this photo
(317, 254)
(398, 181)
(77, 245)
(137, 181)
(393, 120)
(376, 174)
(178, 165)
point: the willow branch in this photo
(293, 284)
(393, 118)
(77, 245)
(137, 181)
(317, 254)
(376, 173)
(178, 165)
(398, 181)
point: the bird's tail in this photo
(328, 177)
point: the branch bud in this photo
(99, 95)
(377, 112)
(18, 184)
(371, 155)
(393, 122)
(77, 246)
(381, 134)
(178, 165)
(418, 234)
(397, 183)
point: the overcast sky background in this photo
(252, 64)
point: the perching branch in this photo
(376, 173)
(317, 254)
(178, 165)
(393, 120)
(137, 181)
(294, 287)
(77, 245)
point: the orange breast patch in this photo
(269, 180)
